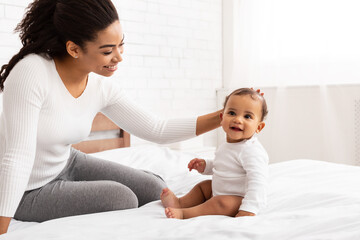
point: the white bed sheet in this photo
(307, 200)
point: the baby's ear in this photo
(221, 115)
(260, 127)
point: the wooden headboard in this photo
(102, 123)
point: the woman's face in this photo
(102, 55)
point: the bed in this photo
(307, 199)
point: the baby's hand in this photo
(198, 164)
(242, 213)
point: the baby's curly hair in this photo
(254, 95)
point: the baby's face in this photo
(242, 118)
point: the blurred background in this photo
(182, 57)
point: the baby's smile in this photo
(236, 128)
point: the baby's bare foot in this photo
(174, 213)
(169, 199)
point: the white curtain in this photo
(296, 42)
(305, 56)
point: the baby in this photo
(240, 168)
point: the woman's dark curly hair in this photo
(49, 24)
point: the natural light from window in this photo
(287, 43)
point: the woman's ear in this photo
(260, 127)
(73, 49)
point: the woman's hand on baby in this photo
(198, 164)
(258, 90)
(242, 213)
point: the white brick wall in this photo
(173, 53)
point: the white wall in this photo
(11, 13)
(311, 122)
(321, 121)
(173, 53)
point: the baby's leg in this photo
(218, 205)
(199, 194)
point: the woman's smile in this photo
(111, 68)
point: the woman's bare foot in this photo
(174, 213)
(169, 199)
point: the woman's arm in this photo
(23, 98)
(4, 224)
(208, 122)
(142, 123)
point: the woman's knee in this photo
(119, 197)
(150, 188)
(155, 183)
(64, 199)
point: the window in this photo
(289, 43)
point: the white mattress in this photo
(307, 200)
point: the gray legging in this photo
(89, 185)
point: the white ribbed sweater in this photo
(41, 119)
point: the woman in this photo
(50, 102)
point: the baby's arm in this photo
(255, 163)
(197, 164)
